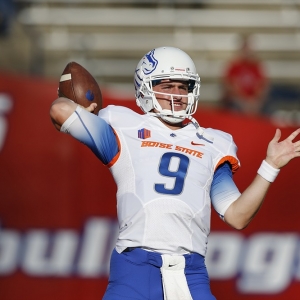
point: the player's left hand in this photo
(280, 153)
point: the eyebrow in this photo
(172, 82)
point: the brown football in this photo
(77, 84)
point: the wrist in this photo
(271, 163)
(267, 171)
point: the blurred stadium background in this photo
(56, 231)
(109, 37)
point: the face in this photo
(178, 90)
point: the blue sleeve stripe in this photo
(103, 142)
(223, 190)
(95, 145)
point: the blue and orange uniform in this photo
(166, 182)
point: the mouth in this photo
(173, 104)
(178, 105)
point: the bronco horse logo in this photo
(149, 63)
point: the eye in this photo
(166, 87)
(184, 87)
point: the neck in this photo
(171, 126)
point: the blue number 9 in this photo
(179, 174)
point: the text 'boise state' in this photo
(172, 147)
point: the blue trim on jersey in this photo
(223, 186)
(103, 142)
(222, 172)
(80, 119)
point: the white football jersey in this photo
(164, 178)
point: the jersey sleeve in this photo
(223, 190)
(94, 132)
(226, 149)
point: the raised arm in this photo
(242, 211)
(62, 108)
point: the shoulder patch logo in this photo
(144, 133)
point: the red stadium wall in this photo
(58, 210)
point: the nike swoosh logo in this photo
(196, 144)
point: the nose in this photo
(177, 93)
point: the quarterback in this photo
(168, 171)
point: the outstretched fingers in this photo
(293, 135)
(277, 135)
(297, 146)
(280, 153)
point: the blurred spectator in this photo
(6, 14)
(245, 84)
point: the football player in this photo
(168, 172)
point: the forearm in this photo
(242, 211)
